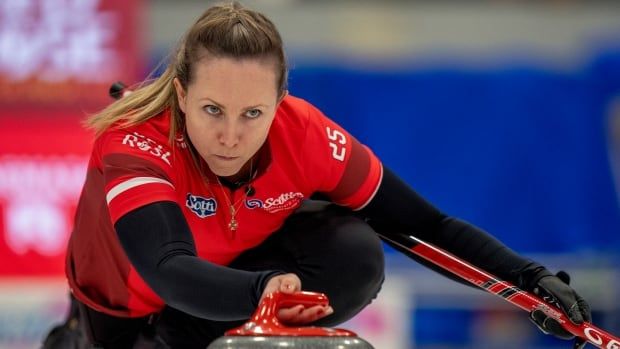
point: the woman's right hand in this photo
(299, 314)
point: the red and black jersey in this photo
(136, 166)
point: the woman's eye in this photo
(253, 113)
(211, 109)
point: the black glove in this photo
(556, 290)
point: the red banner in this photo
(65, 53)
(57, 61)
(42, 169)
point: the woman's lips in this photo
(226, 158)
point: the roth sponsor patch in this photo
(136, 140)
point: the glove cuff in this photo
(529, 276)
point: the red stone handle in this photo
(265, 321)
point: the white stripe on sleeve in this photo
(132, 183)
(374, 192)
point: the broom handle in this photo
(412, 246)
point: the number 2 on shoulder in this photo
(337, 142)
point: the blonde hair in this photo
(225, 30)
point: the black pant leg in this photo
(106, 331)
(328, 247)
(332, 251)
(67, 335)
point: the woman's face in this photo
(229, 107)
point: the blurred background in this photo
(503, 113)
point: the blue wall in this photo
(520, 150)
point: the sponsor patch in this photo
(136, 140)
(253, 203)
(285, 201)
(202, 207)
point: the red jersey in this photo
(135, 166)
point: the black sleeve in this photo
(398, 209)
(160, 246)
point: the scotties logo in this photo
(202, 207)
(253, 203)
(285, 201)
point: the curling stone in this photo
(264, 331)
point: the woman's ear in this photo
(181, 94)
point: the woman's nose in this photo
(229, 133)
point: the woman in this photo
(195, 203)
